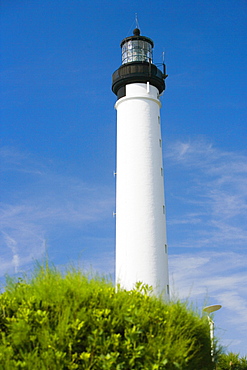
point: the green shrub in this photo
(71, 321)
(231, 361)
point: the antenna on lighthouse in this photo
(163, 57)
(136, 19)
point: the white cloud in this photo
(47, 205)
(209, 278)
(203, 272)
(212, 195)
(207, 233)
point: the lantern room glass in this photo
(136, 51)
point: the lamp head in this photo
(213, 308)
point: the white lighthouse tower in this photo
(141, 243)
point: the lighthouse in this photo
(141, 241)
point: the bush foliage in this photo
(231, 361)
(70, 321)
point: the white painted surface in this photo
(140, 219)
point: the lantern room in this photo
(137, 48)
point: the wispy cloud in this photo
(209, 278)
(222, 166)
(209, 226)
(209, 271)
(46, 201)
(212, 195)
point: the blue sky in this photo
(58, 141)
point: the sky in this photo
(58, 141)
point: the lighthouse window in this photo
(160, 142)
(161, 171)
(136, 51)
(166, 248)
(167, 289)
(158, 119)
(164, 209)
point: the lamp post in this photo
(208, 310)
